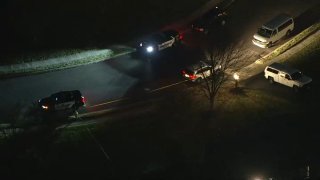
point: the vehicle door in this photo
(283, 29)
(282, 78)
(167, 43)
(161, 41)
(58, 101)
(63, 101)
(204, 72)
(288, 80)
(274, 35)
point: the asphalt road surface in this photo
(126, 75)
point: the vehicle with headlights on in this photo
(159, 41)
(63, 100)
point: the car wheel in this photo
(176, 43)
(271, 80)
(74, 107)
(295, 89)
(199, 80)
(288, 33)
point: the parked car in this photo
(62, 100)
(198, 71)
(159, 41)
(272, 31)
(212, 19)
(287, 76)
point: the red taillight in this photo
(83, 100)
(180, 36)
(192, 76)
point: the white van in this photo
(271, 32)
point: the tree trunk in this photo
(211, 103)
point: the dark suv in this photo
(62, 100)
(213, 19)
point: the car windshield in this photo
(157, 37)
(264, 32)
(206, 18)
(296, 75)
(211, 14)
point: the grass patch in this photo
(307, 60)
(41, 56)
(253, 105)
(36, 31)
(177, 137)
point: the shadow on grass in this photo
(239, 91)
(306, 19)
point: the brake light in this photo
(83, 100)
(180, 36)
(192, 76)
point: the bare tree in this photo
(223, 62)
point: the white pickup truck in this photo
(287, 76)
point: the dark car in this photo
(211, 19)
(62, 100)
(159, 41)
(214, 18)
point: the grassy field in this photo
(169, 144)
(36, 29)
(252, 133)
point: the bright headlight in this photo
(45, 107)
(149, 49)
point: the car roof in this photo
(154, 37)
(284, 68)
(64, 93)
(170, 32)
(276, 21)
(198, 65)
(210, 14)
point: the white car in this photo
(287, 76)
(199, 71)
(159, 41)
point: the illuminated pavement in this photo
(108, 80)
